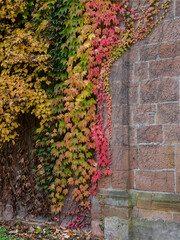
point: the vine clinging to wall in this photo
(85, 38)
(104, 31)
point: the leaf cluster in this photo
(87, 36)
(23, 70)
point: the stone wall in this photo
(141, 200)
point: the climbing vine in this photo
(68, 94)
(24, 64)
(23, 68)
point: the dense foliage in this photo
(23, 69)
(68, 94)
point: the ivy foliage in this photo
(68, 93)
(88, 37)
(23, 69)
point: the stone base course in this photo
(136, 215)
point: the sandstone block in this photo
(109, 211)
(119, 91)
(141, 112)
(176, 217)
(116, 228)
(141, 71)
(168, 113)
(149, 134)
(169, 50)
(164, 32)
(153, 215)
(178, 181)
(148, 53)
(105, 182)
(178, 158)
(123, 135)
(157, 91)
(124, 158)
(156, 157)
(151, 118)
(144, 204)
(166, 206)
(133, 93)
(120, 114)
(122, 179)
(155, 181)
(177, 8)
(165, 68)
(95, 209)
(96, 230)
(172, 134)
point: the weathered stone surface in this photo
(152, 215)
(167, 197)
(156, 157)
(130, 56)
(178, 158)
(133, 93)
(166, 206)
(154, 230)
(141, 71)
(122, 179)
(96, 230)
(178, 181)
(124, 158)
(155, 181)
(148, 53)
(149, 134)
(178, 169)
(115, 228)
(105, 182)
(141, 112)
(116, 201)
(172, 134)
(157, 91)
(123, 135)
(168, 113)
(164, 68)
(121, 88)
(119, 135)
(109, 211)
(145, 200)
(122, 71)
(114, 193)
(176, 217)
(177, 8)
(95, 209)
(119, 91)
(120, 114)
(144, 204)
(150, 208)
(166, 31)
(151, 118)
(169, 50)
(145, 196)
